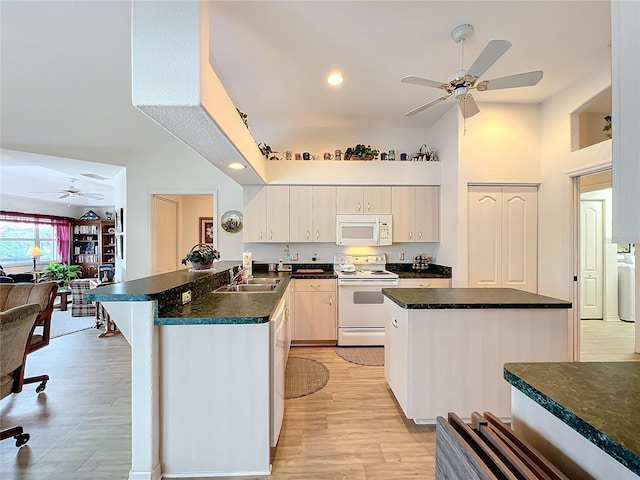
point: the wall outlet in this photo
(402, 257)
(294, 257)
(186, 297)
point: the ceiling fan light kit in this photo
(460, 83)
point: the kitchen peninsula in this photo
(446, 347)
(582, 416)
(203, 400)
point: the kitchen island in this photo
(584, 417)
(445, 348)
(205, 398)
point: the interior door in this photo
(485, 238)
(165, 236)
(591, 275)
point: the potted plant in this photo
(360, 152)
(607, 126)
(243, 116)
(201, 256)
(60, 272)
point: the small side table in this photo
(63, 293)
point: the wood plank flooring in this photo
(351, 429)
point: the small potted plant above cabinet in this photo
(361, 152)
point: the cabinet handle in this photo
(260, 234)
(410, 235)
(359, 206)
(308, 234)
(331, 301)
(315, 285)
(425, 285)
(420, 235)
(368, 207)
(317, 234)
(270, 234)
(394, 322)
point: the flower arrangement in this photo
(362, 152)
(607, 126)
(201, 256)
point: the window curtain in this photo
(61, 225)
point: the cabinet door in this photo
(520, 238)
(403, 210)
(376, 200)
(324, 214)
(301, 214)
(349, 200)
(503, 237)
(396, 352)
(427, 214)
(315, 310)
(425, 283)
(255, 214)
(278, 214)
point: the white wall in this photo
(28, 205)
(555, 201)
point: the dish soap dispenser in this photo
(247, 260)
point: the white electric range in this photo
(361, 279)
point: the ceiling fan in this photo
(73, 191)
(460, 83)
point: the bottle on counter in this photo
(247, 264)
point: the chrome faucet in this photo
(237, 278)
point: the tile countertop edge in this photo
(617, 451)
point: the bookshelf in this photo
(93, 245)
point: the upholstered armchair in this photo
(79, 306)
(16, 325)
(44, 294)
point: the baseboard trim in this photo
(155, 474)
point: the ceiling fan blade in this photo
(468, 106)
(422, 81)
(96, 196)
(426, 105)
(520, 80)
(490, 55)
(64, 195)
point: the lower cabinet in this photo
(315, 314)
(425, 283)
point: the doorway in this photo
(603, 335)
(177, 222)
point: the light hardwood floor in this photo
(351, 429)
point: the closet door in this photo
(485, 236)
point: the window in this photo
(20, 231)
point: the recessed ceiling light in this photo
(335, 79)
(236, 166)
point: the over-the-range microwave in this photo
(363, 230)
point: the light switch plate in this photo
(186, 297)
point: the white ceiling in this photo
(66, 87)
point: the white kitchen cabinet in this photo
(312, 214)
(363, 200)
(396, 353)
(425, 283)
(416, 213)
(503, 237)
(315, 315)
(266, 214)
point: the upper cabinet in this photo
(363, 200)
(416, 214)
(312, 214)
(266, 214)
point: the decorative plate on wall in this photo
(231, 221)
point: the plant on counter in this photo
(362, 152)
(243, 116)
(201, 256)
(267, 152)
(60, 271)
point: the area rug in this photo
(304, 376)
(62, 323)
(369, 356)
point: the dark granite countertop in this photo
(470, 298)
(405, 270)
(228, 308)
(599, 400)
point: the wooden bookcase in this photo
(93, 245)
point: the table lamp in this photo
(34, 252)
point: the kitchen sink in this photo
(247, 288)
(261, 281)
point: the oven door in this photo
(361, 313)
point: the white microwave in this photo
(363, 230)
